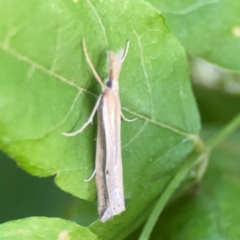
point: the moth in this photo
(108, 160)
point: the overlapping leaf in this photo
(42, 228)
(209, 29)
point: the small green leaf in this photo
(42, 228)
(209, 29)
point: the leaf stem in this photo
(172, 186)
(224, 133)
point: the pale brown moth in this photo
(108, 161)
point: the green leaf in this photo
(47, 88)
(42, 228)
(210, 211)
(209, 29)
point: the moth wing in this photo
(113, 168)
(109, 175)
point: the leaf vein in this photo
(159, 123)
(99, 20)
(56, 49)
(42, 68)
(193, 7)
(72, 84)
(145, 73)
(135, 136)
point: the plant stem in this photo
(224, 133)
(172, 186)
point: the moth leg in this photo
(90, 64)
(90, 119)
(92, 176)
(126, 51)
(126, 119)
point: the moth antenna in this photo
(90, 64)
